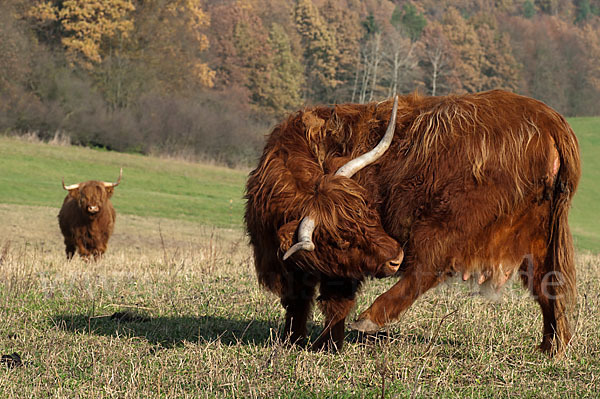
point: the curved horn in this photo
(71, 187)
(305, 231)
(356, 164)
(115, 184)
(307, 226)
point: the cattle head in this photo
(350, 232)
(91, 196)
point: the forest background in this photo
(207, 79)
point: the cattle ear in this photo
(74, 193)
(110, 191)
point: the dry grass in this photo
(60, 138)
(174, 310)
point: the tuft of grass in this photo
(198, 325)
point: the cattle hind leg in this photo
(542, 282)
(550, 274)
(337, 298)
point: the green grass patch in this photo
(585, 213)
(31, 174)
(212, 195)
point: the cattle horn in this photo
(356, 164)
(115, 184)
(307, 226)
(71, 187)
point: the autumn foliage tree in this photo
(170, 38)
(320, 51)
(245, 53)
(205, 76)
(347, 32)
(283, 88)
(439, 60)
(498, 67)
(465, 41)
(86, 27)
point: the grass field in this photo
(174, 310)
(210, 195)
(177, 312)
(585, 213)
(31, 174)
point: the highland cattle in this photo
(475, 185)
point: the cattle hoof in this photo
(326, 346)
(365, 325)
(547, 347)
(294, 342)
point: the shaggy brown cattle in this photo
(87, 218)
(475, 185)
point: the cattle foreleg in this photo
(83, 250)
(388, 306)
(337, 297)
(69, 249)
(297, 301)
(99, 250)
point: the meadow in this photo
(151, 187)
(584, 217)
(174, 310)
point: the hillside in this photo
(207, 76)
(205, 194)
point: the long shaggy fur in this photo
(86, 233)
(469, 185)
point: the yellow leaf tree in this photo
(465, 41)
(320, 51)
(171, 39)
(86, 26)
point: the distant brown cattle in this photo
(87, 218)
(477, 186)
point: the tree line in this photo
(206, 78)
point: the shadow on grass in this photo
(174, 331)
(385, 337)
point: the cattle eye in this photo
(343, 244)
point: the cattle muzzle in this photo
(390, 267)
(93, 209)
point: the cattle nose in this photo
(93, 208)
(390, 267)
